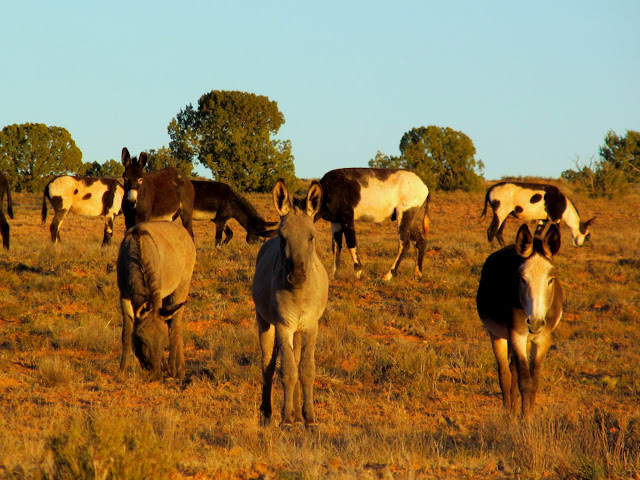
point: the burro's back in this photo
(290, 290)
(155, 264)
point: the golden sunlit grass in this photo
(406, 384)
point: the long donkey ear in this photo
(143, 310)
(551, 241)
(166, 313)
(142, 159)
(524, 241)
(126, 158)
(281, 198)
(314, 198)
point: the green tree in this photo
(618, 166)
(33, 153)
(164, 157)
(442, 157)
(110, 168)
(623, 153)
(231, 134)
(386, 161)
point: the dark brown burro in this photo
(4, 225)
(520, 303)
(164, 194)
(155, 264)
(218, 202)
(290, 289)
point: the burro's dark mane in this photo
(244, 207)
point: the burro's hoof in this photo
(388, 276)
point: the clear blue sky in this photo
(534, 84)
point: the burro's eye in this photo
(523, 281)
(551, 280)
(311, 238)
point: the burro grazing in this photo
(290, 289)
(218, 202)
(4, 225)
(519, 301)
(374, 195)
(164, 194)
(154, 269)
(531, 202)
(86, 196)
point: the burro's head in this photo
(583, 234)
(133, 172)
(537, 274)
(151, 335)
(297, 232)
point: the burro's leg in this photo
(127, 334)
(284, 338)
(336, 246)
(404, 241)
(54, 229)
(538, 353)
(108, 229)
(525, 381)
(308, 375)
(4, 229)
(269, 349)
(501, 351)
(350, 236)
(298, 340)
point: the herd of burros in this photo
(519, 298)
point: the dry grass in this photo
(406, 384)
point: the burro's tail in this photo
(45, 196)
(425, 220)
(486, 202)
(9, 203)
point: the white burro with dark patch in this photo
(290, 290)
(154, 266)
(532, 202)
(86, 196)
(374, 195)
(519, 301)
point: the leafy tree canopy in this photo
(444, 158)
(164, 157)
(110, 168)
(33, 153)
(231, 134)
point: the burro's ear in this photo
(589, 222)
(267, 233)
(142, 159)
(314, 198)
(281, 198)
(143, 310)
(551, 241)
(524, 241)
(167, 312)
(126, 158)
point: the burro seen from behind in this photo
(155, 264)
(519, 301)
(290, 289)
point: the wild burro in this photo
(4, 225)
(218, 202)
(155, 264)
(531, 202)
(86, 196)
(519, 301)
(164, 194)
(374, 195)
(290, 289)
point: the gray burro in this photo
(290, 290)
